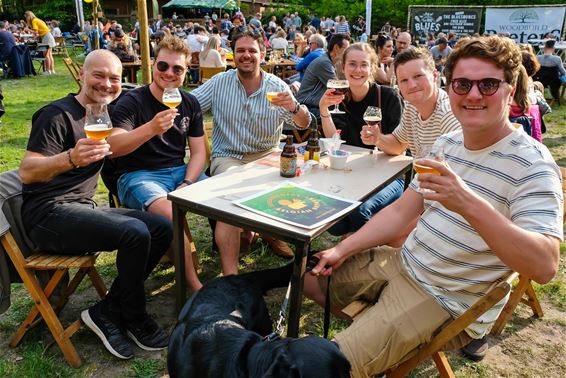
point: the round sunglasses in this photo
(164, 66)
(487, 86)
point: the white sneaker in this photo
(45, 73)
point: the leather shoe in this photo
(279, 247)
(476, 349)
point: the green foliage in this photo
(147, 368)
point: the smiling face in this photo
(247, 56)
(102, 78)
(417, 83)
(481, 116)
(357, 67)
(168, 78)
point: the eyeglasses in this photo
(164, 66)
(487, 86)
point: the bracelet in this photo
(324, 116)
(70, 159)
(188, 182)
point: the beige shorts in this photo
(400, 315)
(222, 164)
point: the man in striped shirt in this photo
(427, 113)
(245, 126)
(495, 207)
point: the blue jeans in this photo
(141, 239)
(356, 219)
(138, 189)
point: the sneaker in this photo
(148, 335)
(109, 332)
(476, 349)
(45, 73)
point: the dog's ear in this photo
(282, 367)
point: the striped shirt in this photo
(242, 124)
(447, 257)
(418, 132)
(342, 28)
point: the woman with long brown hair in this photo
(384, 47)
(358, 65)
(38, 27)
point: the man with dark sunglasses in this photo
(494, 206)
(245, 127)
(149, 140)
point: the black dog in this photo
(220, 334)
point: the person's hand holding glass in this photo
(371, 132)
(97, 128)
(280, 98)
(419, 162)
(339, 87)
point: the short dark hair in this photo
(408, 55)
(441, 41)
(337, 39)
(247, 33)
(549, 44)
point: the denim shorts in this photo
(138, 189)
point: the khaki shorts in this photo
(400, 315)
(222, 164)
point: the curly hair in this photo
(504, 52)
(175, 44)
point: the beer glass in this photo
(339, 86)
(171, 97)
(430, 153)
(97, 121)
(372, 116)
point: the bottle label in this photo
(288, 166)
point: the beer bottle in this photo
(312, 151)
(288, 160)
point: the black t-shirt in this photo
(167, 150)
(56, 128)
(352, 121)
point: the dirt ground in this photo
(527, 348)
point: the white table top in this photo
(213, 197)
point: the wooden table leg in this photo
(297, 280)
(178, 252)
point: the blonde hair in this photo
(212, 44)
(366, 48)
(29, 16)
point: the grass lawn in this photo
(528, 347)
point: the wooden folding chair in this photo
(14, 242)
(206, 73)
(60, 47)
(433, 349)
(74, 70)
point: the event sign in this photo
(292, 204)
(460, 20)
(524, 23)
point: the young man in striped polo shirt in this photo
(495, 207)
(427, 113)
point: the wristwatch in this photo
(297, 107)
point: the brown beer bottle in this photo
(288, 160)
(312, 151)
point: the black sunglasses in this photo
(164, 66)
(487, 87)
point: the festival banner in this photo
(524, 23)
(461, 20)
(293, 204)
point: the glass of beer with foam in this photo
(97, 121)
(429, 153)
(171, 97)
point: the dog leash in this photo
(279, 328)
